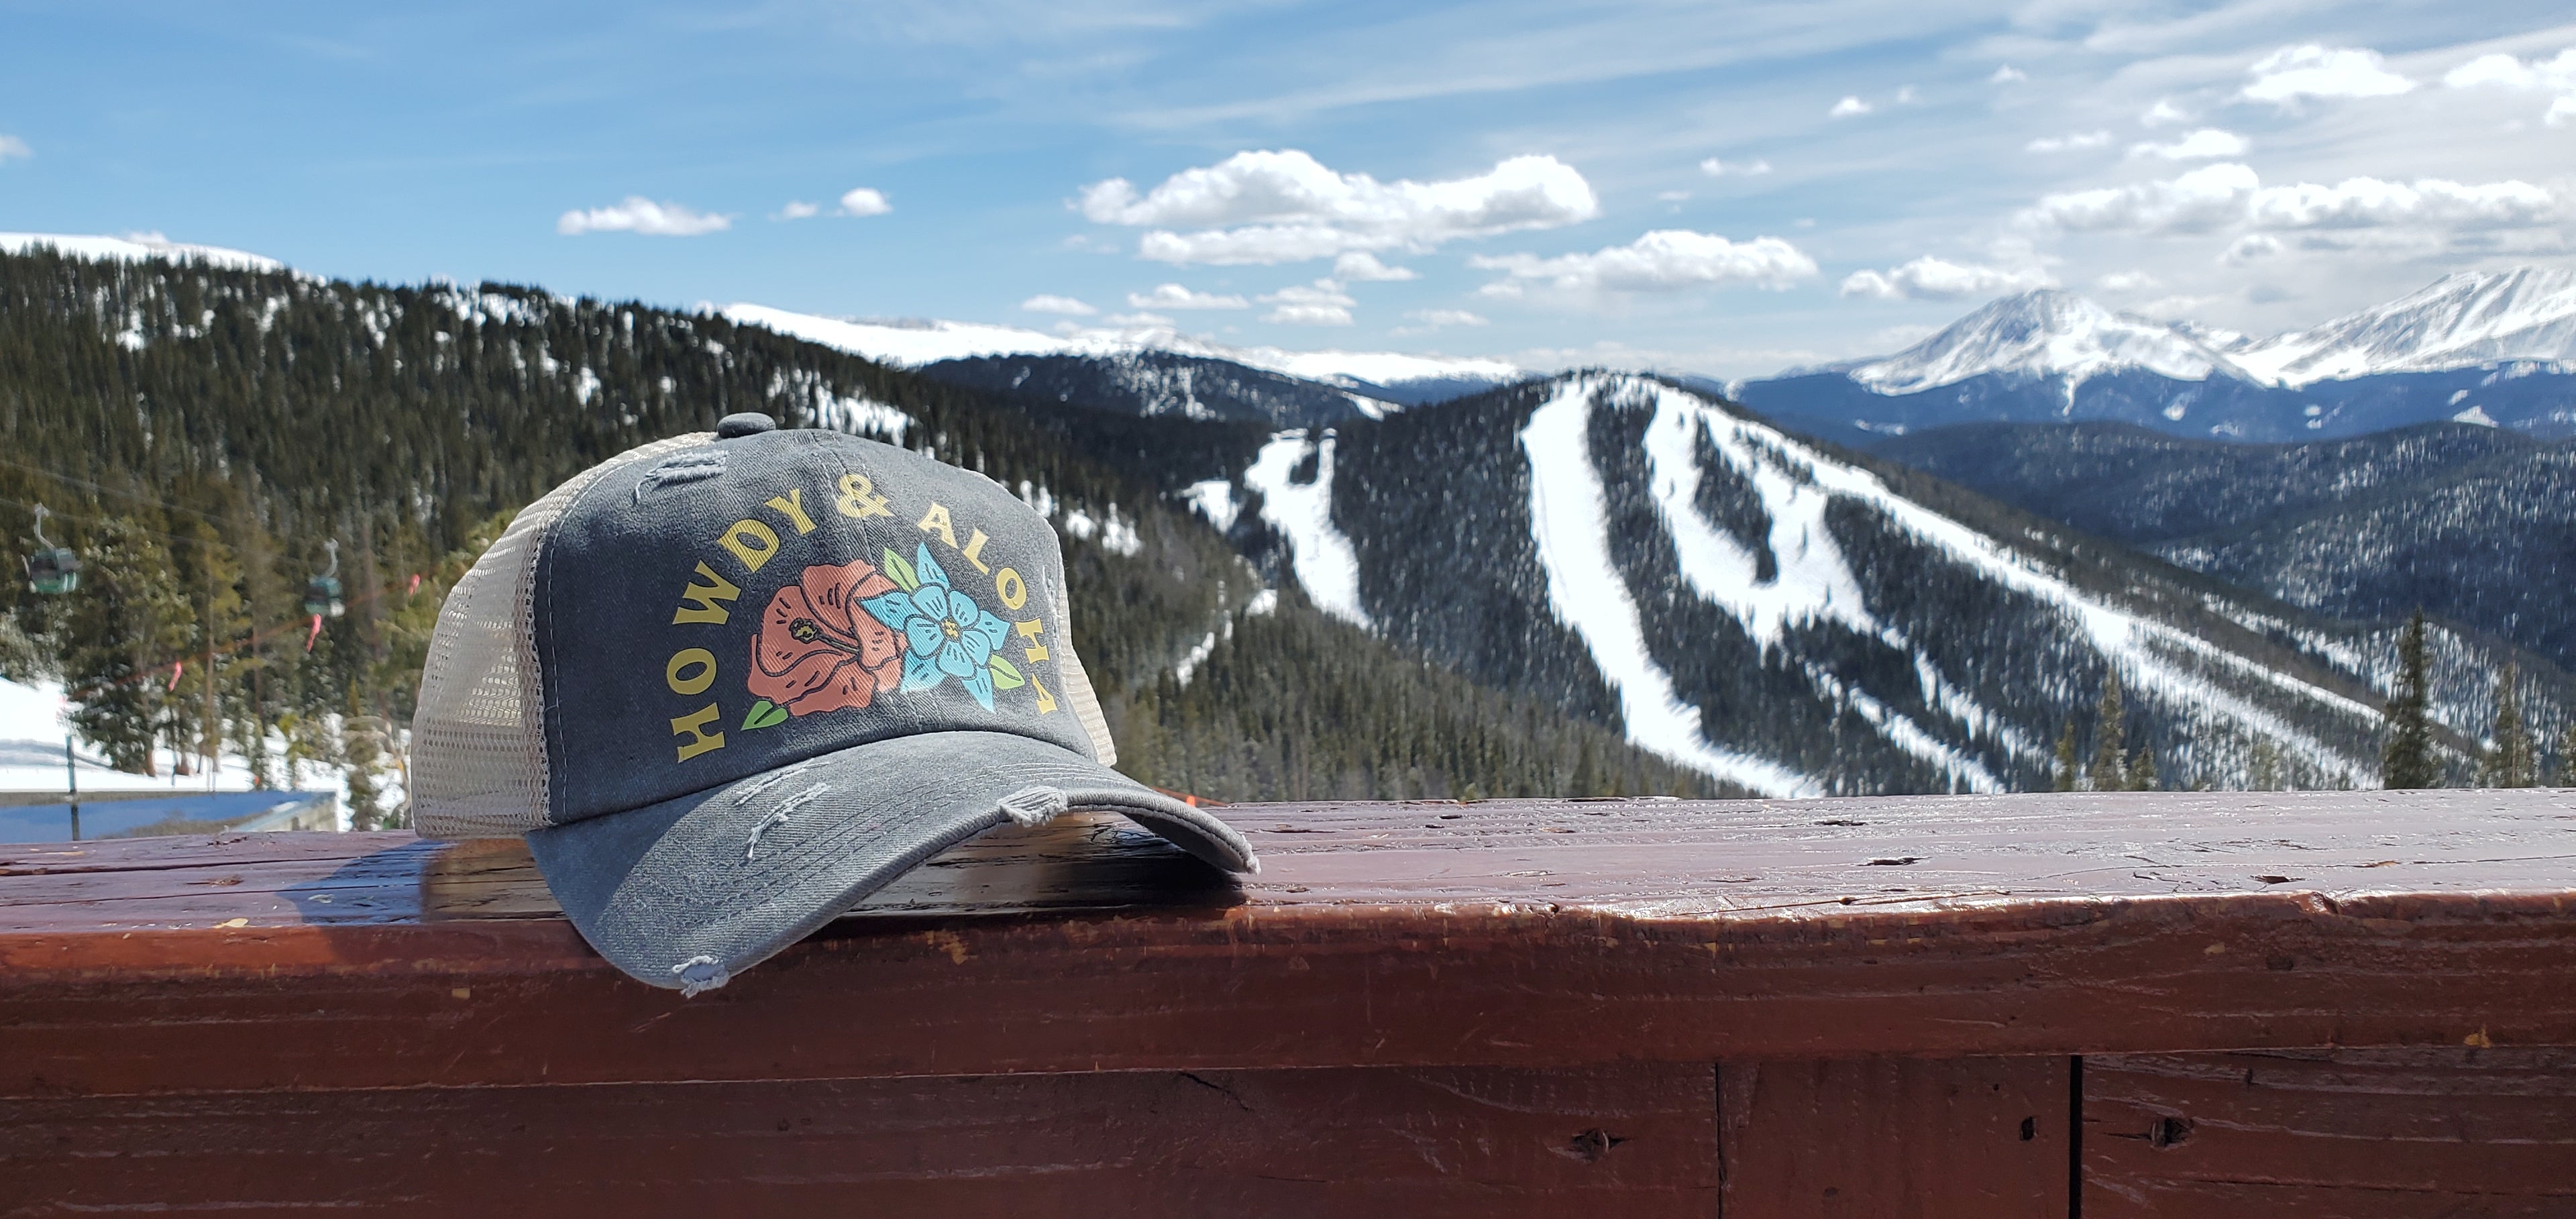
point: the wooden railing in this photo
(2351, 1004)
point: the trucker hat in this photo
(729, 684)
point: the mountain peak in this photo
(2462, 319)
(2044, 332)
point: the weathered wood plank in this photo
(1523, 933)
(2353, 1134)
(1630, 1140)
(1893, 1138)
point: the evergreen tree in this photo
(2510, 760)
(2265, 768)
(2142, 771)
(130, 622)
(2408, 762)
(2066, 772)
(2110, 769)
(2564, 773)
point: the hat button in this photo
(748, 423)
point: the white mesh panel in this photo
(478, 756)
(1077, 689)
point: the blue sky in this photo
(1721, 188)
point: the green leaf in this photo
(764, 714)
(900, 571)
(1004, 676)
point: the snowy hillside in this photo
(1385, 377)
(2459, 321)
(136, 247)
(1746, 604)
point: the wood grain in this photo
(1894, 1138)
(1631, 1140)
(2355, 1134)
(1530, 934)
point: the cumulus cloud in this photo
(1716, 168)
(865, 201)
(1322, 303)
(1139, 320)
(1174, 296)
(2163, 114)
(2372, 203)
(1929, 278)
(2202, 199)
(2250, 247)
(1849, 106)
(2230, 194)
(2068, 143)
(1066, 305)
(1905, 95)
(2206, 144)
(1665, 260)
(1275, 207)
(638, 214)
(798, 209)
(2291, 73)
(1445, 317)
(12, 146)
(1360, 267)
(2504, 71)
(2008, 75)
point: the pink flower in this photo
(818, 650)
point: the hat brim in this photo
(687, 893)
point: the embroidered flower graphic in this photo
(945, 633)
(818, 651)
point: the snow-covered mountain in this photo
(2044, 333)
(2459, 321)
(1749, 604)
(2496, 349)
(1380, 380)
(136, 247)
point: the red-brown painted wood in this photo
(1895, 1138)
(1633, 1140)
(1528, 934)
(2351, 1134)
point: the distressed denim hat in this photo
(729, 684)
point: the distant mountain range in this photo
(2496, 349)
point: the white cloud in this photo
(1139, 320)
(2205, 198)
(2066, 143)
(1275, 207)
(1445, 317)
(1671, 196)
(1718, 169)
(1905, 95)
(2251, 247)
(2372, 203)
(2008, 75)
(2291, 73)
(1849, 106)
(865, 201)
(12, 146)
(2229, 194)
(2127, 281)
(1174, 296)
(1066, 305)
(2163, 114)
(2553, 75)
(2206, 144)
(798, 209)
(638, 214)
(1321, 304)
(1362, 267)
(1665, 260)
(1929, 278)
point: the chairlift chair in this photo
(322, 592)
(52, 570)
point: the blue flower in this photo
(945, 634)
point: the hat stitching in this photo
(778, 817)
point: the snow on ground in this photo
(1214, 499)
(34, 720)
(1326, 565)
(1571, 526)
(136, 247)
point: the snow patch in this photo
(1214, 499)
(1325, 564)
(136, 247)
